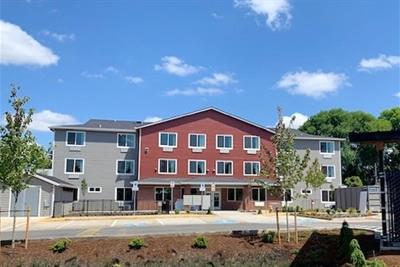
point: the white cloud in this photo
(277, 12)
(299, 120)
(19, 48)
(59, 37)
(42, 120)
(134, 79)
(313, 84)
(152, 119)
(199, 91)
(176, 66)
(217, 79)
(112, 69)
(397, 94)
(92, 75)
(379, 63)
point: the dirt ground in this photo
(315, 249)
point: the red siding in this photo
(210, 123)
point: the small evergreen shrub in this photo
(176, 211)
(354, 245)
(136, 243)
(376, 263)
(259, 211)
(200, 242)
(357, 258)
(209, 211)
(346, 235)
(60, 245)
(269, 237)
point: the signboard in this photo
(172, 184)
(135, 186)
(202, 187)
(212, 187)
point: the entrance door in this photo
(216, 200)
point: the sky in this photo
(149, 60)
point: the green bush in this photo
(136, 243)
(357, 258)
(209, 211)
(351, 211)
(268, 237)
(353, 246)
(353, 181)
(376, 263)
(200, 242)
(346, 235)
(60, 245)
(176, 211)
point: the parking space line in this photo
(114, 223)
(10, 227)
(160, 222)
(63, 225)
(89, 232)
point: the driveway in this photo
(222, 221)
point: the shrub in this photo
(346, 235)
(209, 211)
(60, 245)
(200, 242)
(357, 258)
(354, 245)
(176, 211)
(268, 237)
(376, 263)
(353, 181)
(136, 243)
(259, 211)
(351, 211)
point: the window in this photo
(197, 141)
(167, 166)
(329, 171)
(74, 166)
(288, 196)
(327, 147)
(163, 193)
(94, 189)
(197, 167)
(224, 141)
(124, 194)
(327, 195)
(251, 168)
(125, 167)
(75, 138)
(258, 194)
(126, 140)
(224, 167)
(306, 191)
(168, 140)
(251, 142)
(235, 194)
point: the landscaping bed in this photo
(326, 215)
(314, 249)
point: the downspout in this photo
(52, 201)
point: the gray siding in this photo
(4, 202)
(313, 145)
(100, 154)
(45, 196)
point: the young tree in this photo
(20, 155)
(314, 177)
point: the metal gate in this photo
(28, 198)
(393, 208)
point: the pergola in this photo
(389, 184)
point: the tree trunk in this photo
(296, 234)
(287, 221)
(14, 221)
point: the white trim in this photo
(44, 179)
(252, 162)
(77, 173)
(251, 149)
(66, 138)
(340, 165)
(94, 187)
(167, 146)
(167, 173)
(235, 197)
(334, 171)
(163, 192)
(197, 147)
(125, 174)
(139, 152)
(291, 196)
(326, 153)
(223, 174)
(327, 202)
(224, 135)
(220, 200)
(259, 189)
(305, 194)
(52, 200)
(134, 140)
(201, 160)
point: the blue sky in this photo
(133, 60)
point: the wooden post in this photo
(28, 214)
(278, 231)
(296, 234)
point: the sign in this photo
(202, 187)
(212, 187)
(172, 184)
(135, 186)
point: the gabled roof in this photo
(53, 180)
(204, 110)
(103, 125)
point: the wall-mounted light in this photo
(146, 150)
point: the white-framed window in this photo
(197, 140)
(75, 138)
(258, 194)
(329, 171)
(125, 167)
(235, 194)
(196, 167)
(167, 166)
(224, 167)
(327, 196)
(251, 168)
(288, 196)
(74, 166)
(94, 189)
(224, 141)
(306, 191)
(162, 193)
(125, 140)
(251, 142)
(167, 139)
(123, 194)
(327, 147)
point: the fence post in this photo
(28, 213)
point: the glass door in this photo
(216, 200)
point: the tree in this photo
(286, 165)
(379, 125)
(20, 155)
(392, 115)
(353, 181)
